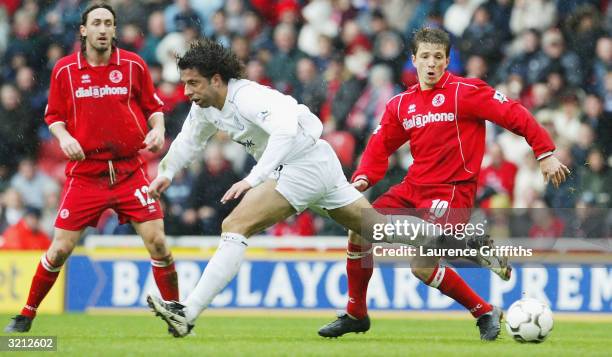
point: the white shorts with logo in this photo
(315, 180)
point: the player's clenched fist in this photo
(361, 185)
(159, 185)
(71, 148)
(554, 171)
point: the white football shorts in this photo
(315, 179)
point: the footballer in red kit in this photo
(443, 118)
(100, 108)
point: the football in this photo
(529, 320)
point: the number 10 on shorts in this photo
(140, 195)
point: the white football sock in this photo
(219, 271)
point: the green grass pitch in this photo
(236, 335)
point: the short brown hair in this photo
(430, 35)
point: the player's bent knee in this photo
(157, 246)
(355, 238)
(234, 225)
(59, 253)
(422, 273)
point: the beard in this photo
(100, 48)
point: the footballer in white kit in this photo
(295, 168)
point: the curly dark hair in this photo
(430, 35)
(210, 58)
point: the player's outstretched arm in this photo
(553, 170)
(188, 145)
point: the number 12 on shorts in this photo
(140, 195)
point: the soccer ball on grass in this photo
(529, 320)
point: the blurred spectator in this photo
(258, 33)
(26, 234)
(241, 47)
(221, 33)
(529, 183)
(501, 12)
(369, 108)
(256, 72)
(25, 41)
(5, 31)
(590, 220)
(281, 67)
(173, 43)
(17, 127)
(457, 17)
(496, 179)
(567, 118)
(349, 90)
(602, 64)
(556, 57)
(389, 45)
(593, 115)
(311, 89)
(13, 207)
(476, 67)
(130, 37)
(318, 22)
(582, 145)
(545, 223)
(206, 210)
(156, 31)
(29, 89)
(481, 37)
(32, 184)
(584, 27)
(235, 11)
(130, 12)
(181, 14)
(297, 225)
(532, 14)
(596, 179)
(524, 63)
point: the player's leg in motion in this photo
(261, 207)
(445, 279)
(162, 263)
(46, 274)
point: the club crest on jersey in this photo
(438, 100)
(411, 108)
(115, 76)
(500, 97)
(64, 213)
(86, 78)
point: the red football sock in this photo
(359, 267)
(452, 285)
(166, 278)
(43, 280)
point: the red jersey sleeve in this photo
(385, 140)
(486, 103)
(149, 101)
(57, 106)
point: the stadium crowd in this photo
(343, 59)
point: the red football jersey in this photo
(105, 108)
(446, 130)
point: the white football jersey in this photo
(271, 126)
